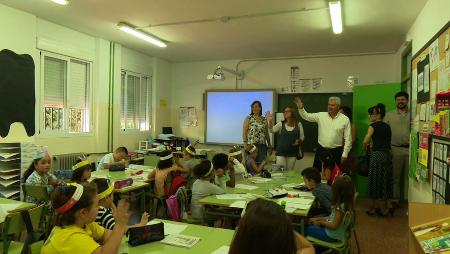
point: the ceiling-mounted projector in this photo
(219, 75)
(215, 77)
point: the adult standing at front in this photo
(400, 122)
(289, 139)
(380, 169)
(335, 132)
(256, 132)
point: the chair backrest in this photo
(39, 192)
(14, 222)
(348, 223)
(151, 160)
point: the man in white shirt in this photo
(118, 158)
(334, 128)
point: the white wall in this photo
(189, 79)
(25, 34)
(431, 19)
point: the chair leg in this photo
(356, 241)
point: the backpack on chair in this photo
(176, 204)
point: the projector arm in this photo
(238, 74)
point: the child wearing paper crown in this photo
(203, 187)
(75, 229)
(81, 171)
(189, 161)
(235, 159)
(105, 196)
(38, 173)
(166, 165)
(250, 164)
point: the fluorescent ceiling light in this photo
(61, 2)
(336, 16)
(141, 35)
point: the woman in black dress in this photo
(380, 169)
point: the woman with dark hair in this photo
(380, 167)
(289, 139)
(257, 233)
(256, 132)
(349, 165)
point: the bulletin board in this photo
(440, 170)
(430, 102)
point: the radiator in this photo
(66, 161)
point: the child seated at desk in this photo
(105, 195)
(38, 173)
(189, 161)
(203, 187)
(76, 230)
(117, 158)
(331, 228)
(330, 169)
(265, 228)
(250, 164)
(165, 167)
(224, 171)
(81, 171)
(235, 157)
(322, 192)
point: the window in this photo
(135, 102)
(65, 94)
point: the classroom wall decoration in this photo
(430, 110)
(17, 90)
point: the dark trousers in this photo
(335, 152)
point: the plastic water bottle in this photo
(283, 204)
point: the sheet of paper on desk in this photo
(260, 180)
(301, 193)
(239, 204)
(290, 209)
(277, 174)
(222, 250)
(245, 187)
(303, 201)
(289, 185)
(170, 228)
(234, 196)
(298, 206)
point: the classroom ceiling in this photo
(369, 25)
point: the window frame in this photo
(66, 114)
(124, 101)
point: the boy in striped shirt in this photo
(105, 216)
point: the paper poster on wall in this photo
(188, 117)
(434, 55)
(443, 77)
(420, 82)
(426, 79)
(423, 157)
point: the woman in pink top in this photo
(166, 164)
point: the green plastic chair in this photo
(39, 192)
(151, 160)
(14, 224)
(342, 247)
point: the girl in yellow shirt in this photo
(76, 230)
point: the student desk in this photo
(422, 213)
(262, 190)
(20, 207)
(138, 186)
(211, 240)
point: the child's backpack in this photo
(177, 181)
(176, 204)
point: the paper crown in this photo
(41, 153)
(81, 164)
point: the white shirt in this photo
(108, 158)
(331, 130)
(277, 127)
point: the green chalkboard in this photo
(314, 102)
